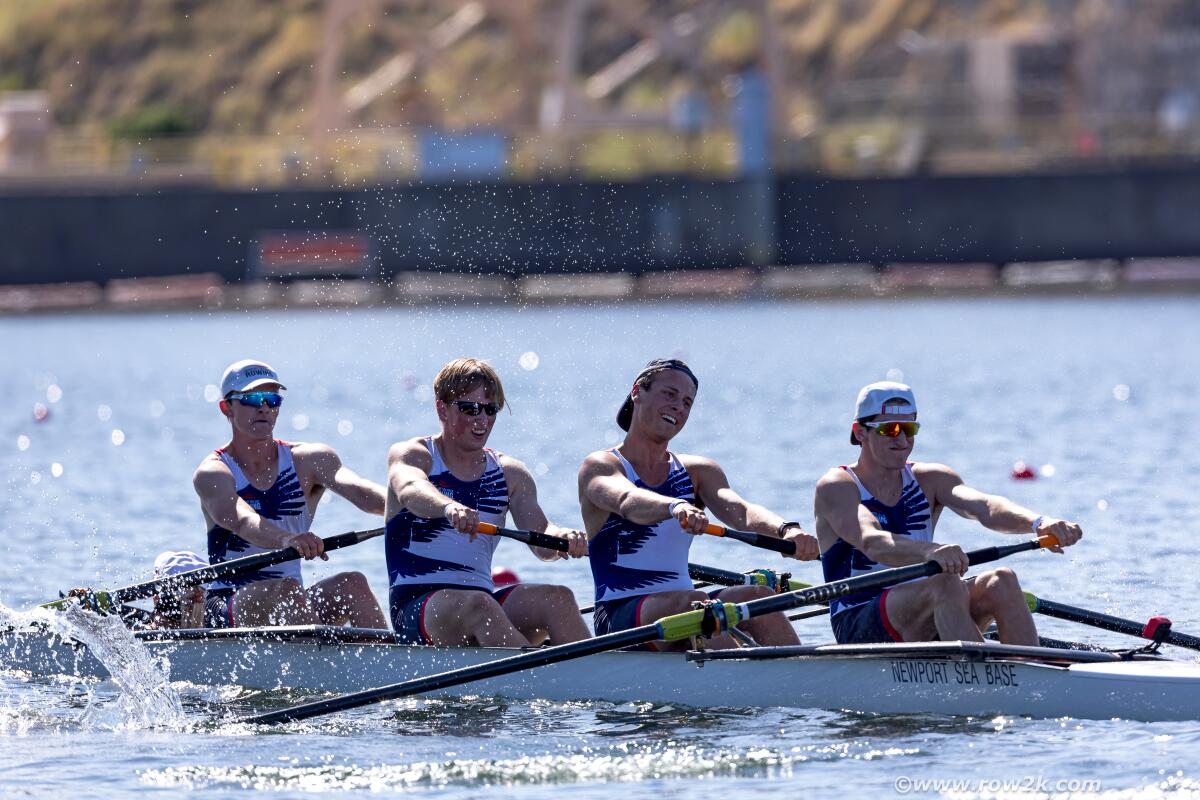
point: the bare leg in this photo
(938, 605)
(770, 629)
(460, 617)
(273, 602)
(347, 598)
(997, 595)
(545, 611)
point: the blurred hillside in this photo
(888, 85)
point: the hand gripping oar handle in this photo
(679, 626)
(532, 538)
(1108, 622)
(754, 539)
(105, 601)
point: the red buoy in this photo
(1023, 472)
(40, 412)
(503, 576)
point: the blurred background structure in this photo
(792, 114)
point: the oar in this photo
(532, 538)
(1147, 630)
(726, 578)
(754, 539)
(104, 601)
(707, 621)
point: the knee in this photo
(559, 595)
(1002, 579)
(948, 588)
(474, 604)
(743, 594)
(290, 589)
(353, 582)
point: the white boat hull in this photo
(935, 678)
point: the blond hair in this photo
(464, 375)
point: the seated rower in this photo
(881, 511)
(642, 506)
(259, 494)
(177, 609)
(440, 488)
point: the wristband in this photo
(783, 526)
(1037, 523)
(671, 508)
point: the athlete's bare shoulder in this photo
(835, 476)
(412, 452)
(600, 462)
(694, 462)
(934, 472)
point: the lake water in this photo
(1102, 390)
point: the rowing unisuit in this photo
(430, 551)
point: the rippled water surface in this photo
(1097, 394)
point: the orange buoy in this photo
(40, 412)
(503, 576)
(1023, 472)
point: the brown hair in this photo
(463, 376)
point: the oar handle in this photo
(532, 538)
(754, 539)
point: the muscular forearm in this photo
(1005, 516)
(645, 507)
(896, 551)
(423, 499)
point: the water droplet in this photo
(1048, 470)
(53, 393)
(212, 393)
(541, 469)
(56, 469)
(895, 374)
(35, 477)
(22, 442)
(1102, 505)
(118, 437)
(529, 361)
(300, 422)
(1121, 392)
(157, 409)
(104, 413)
(40, 412)
(345, 427)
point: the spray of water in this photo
(146, 697)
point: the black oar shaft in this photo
(1108, 622)
(674, 627)
(784, 546)
(532, 538)
(226, 569)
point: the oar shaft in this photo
(754, 539)
(532, 538)
(678, 626)
(1107, 622)
(226, 569)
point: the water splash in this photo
(146, 697)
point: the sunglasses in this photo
(472, 409)
(893, 429)
(257, 399)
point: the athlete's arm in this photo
(329, 471)
(840, 515)
(218, 497)
(991, 510)
(604, 485)
(527, 513)
(712, 487)
(409, 464)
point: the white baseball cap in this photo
(883, 397)
(243, 376)
(174, 562)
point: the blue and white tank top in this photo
(283, 504)
(421, 551)
(911, 516)
(629, 559)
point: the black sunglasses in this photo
(472, 409)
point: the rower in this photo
(881, 511)
(642, 505)
(440, 488)
(258, 494)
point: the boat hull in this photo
(935, 678)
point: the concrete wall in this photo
(548, 227)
